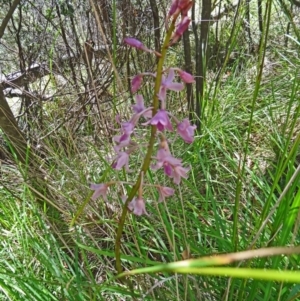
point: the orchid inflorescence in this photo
(155, 116)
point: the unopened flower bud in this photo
(186, 77)
(136, 44)
(136, 83)
(183, 26)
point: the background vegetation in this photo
(65, 75)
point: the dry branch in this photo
(8, 17)
(39, 70)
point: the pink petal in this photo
(156, 166)
(164, 192)
(139, 107)
(122, 139)
(180, 172)
(136, 44)
(186, 130)
(168, 169)
(121, 160)
(173, 7)
(165, 156)
(96, 186)
(175, 86)
(168, 84)
(162, 121)
(162, 95)
(169, 78)
(183, 3)
(147, 114)
(128, 127)
(162, 154)
(186, 8)
(167, 161)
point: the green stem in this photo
(147, 159)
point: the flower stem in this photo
(147, 159)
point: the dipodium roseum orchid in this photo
(173, 8)
(183, 26)
(158, 119)
(123, 140)
(128, 127)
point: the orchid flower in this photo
(122, 159)
(100, 190)
(164, 192)
(137, 206)
(161, 121)
(186, 130)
